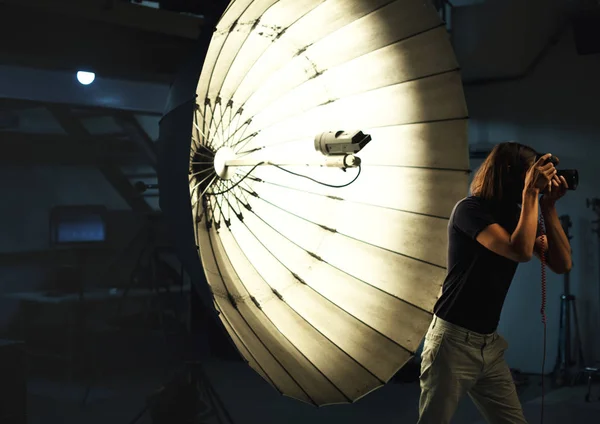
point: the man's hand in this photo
(556, 189)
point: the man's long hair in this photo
(501, 176)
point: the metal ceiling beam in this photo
(17, 148)
(134, 199)
(111, 172)
(134, 130)
(42, 40)
(81, 111)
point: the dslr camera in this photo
(570, 175)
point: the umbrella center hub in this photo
(223, 155)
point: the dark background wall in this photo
(553, 109)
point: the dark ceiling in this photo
(123, 41)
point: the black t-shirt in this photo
(478, 279)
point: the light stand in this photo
(347, 161)
(80, 229)
(595, 205)
(594, 371)
(564, 360)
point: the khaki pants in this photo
(456, 361)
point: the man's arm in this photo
(558, 253)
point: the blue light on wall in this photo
(73, 225)
(82, 229)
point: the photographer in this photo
(489, 233)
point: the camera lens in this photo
(571, 176)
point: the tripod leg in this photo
(568, 351)
(589, 388)
(558, 367)
(580, 358)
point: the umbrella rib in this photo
(312, 326)
(364, 242)
(247, 347)
(217, 198)
(254, 332)
(242, 127)
(331, 101)
(222, 200)
(199, 133)
(198, 184)
(230, 121)
(455, 69)
(202, 132)
(427, 168)
(210, 125)
(200, 145)
(245, 140)
(220, 214)
(312, 254)
(221, 124)
(194, 189)
(195, 174)
(259, 340)
(329, 300)
(237, 199)
(318, 294)
(239, 202)
(208, 186)
(257, 20)
(199, 214)
(377, 288)
(195, 146)
(430, 121)
(302, 49)
(350, 201)
(209, 155)
(210, 212)
(228, 187)
(212, 71)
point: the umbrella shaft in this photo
(346, 161)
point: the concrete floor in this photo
(117, 399)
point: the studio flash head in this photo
(334, 143)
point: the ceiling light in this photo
(85, 77)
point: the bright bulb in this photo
(86, 78)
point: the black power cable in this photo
(289, 172)
(319, 182)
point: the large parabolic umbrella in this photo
(327, 292)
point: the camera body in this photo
(334, 143)
(571, 176)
